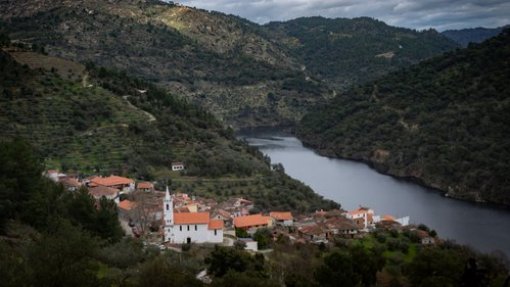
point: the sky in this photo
(417, 14)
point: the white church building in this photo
(189, 227)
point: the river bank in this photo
(353, 183)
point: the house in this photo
(126, 209)
(363, 217)
(223, 215)
(189, 227)
(340, 226)
(70, 183)
(282, 218)
(177, 166)
(113, 181)
(313, 232)
(145, 186)
(252, 221)
(108, 192)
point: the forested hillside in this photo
(352, 51)
(246, 74)
(444, 122)
(216, 60)
(90, 120)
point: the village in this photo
(172, 219)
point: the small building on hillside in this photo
(177, 166)
(54, 175)
(145, 186)
(282, 218)
(254, 221)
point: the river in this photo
(352, 184)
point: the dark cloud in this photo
(418, 14)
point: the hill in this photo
(471, 35)
(246, 74)
(443, 122)
(352, 51)
(221, 62)
(83, 119)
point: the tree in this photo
(159, 272)
(263, 236)
(108, 226)
(337, 269)
(20, 178)
(223, 260)
(64, 256)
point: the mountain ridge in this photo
(442, 122)
(244, 73)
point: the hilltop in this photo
(472, 35)
(443, 122)
(352, 51)
(246, 74)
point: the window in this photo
(188, 227)
(180, 227)
(215, 232)
(196, 228)
(167, 207)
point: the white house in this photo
(189, 227)
(363, 217)
(177, 166)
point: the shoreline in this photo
(409, 179)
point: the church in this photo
(189, 227)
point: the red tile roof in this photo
(251, 220)
(100, 191)
(145, 185)
(281, 215)
(127, 205)
(70, 181)
(191, 218)
(313, 229)
(112, 180)
(215, 224)
(388, 218)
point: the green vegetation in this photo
(246, 74)
(370, 261)
(101, 122)
(443, 122)
(229, 70)
(353, 51)
(53, 237)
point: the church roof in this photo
(191, 218)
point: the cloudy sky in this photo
(418, 14)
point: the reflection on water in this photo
(353, 184)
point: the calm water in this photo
(353, 184)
